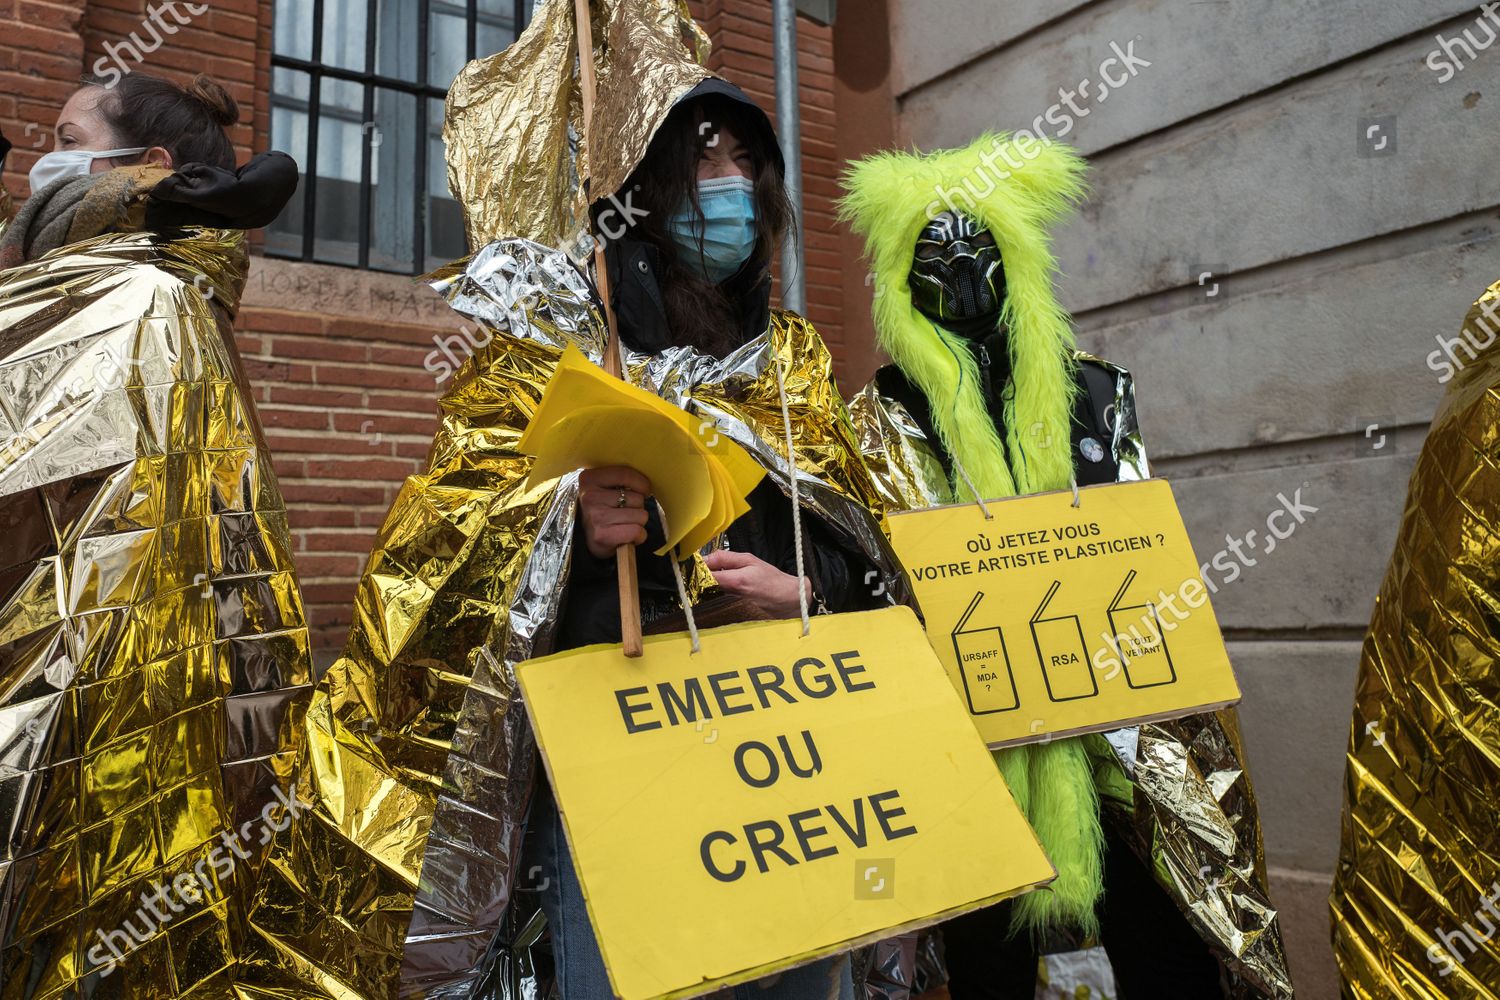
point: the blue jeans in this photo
(575, 951)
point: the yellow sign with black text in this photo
(1054, 620)
(771, 799)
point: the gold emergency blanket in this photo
(1416, 897)
(514, 125)
(1178, 791)
(419, 756)
(152, 640)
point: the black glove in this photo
(201, 195)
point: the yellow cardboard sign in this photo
(772, 798)
(1053, 620)
(587, 418)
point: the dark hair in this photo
(700, 313)
(188, 122)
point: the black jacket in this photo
(591, 607)
(1093, 413)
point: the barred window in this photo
(357, 90)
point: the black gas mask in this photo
(957, 280)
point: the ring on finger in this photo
(621, 501)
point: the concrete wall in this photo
(1301, 362)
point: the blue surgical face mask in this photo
(727, 229)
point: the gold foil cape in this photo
(419, 757)
(1418, 881)
(152, 639)
(514, 120)
(1178, 791)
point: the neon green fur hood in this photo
(891, 196)
(1018, 190)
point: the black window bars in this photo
(419, 90)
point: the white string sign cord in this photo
(1073, 481)
(786, 421)
(682, 597)
(791, 459)
(973, 491)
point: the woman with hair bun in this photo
(141, 119)
(152, 638)
(145, 154)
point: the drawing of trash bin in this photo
(984, 665)
(1141, 641)
(1062, 653)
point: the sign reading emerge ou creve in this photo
(771, 799)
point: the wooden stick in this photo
(629, 583)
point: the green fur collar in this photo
(1017, 189)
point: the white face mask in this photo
(62, 163)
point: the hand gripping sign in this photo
(589, 419)
(1054, 619)
(771, 799)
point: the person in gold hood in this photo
(988, 397)
(433, 855)
(694, 271)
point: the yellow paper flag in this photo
(589, 419)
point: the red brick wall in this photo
(335, 355)
(865, 124)
(41, 58)
(221, 42)
(742, 53)
(46, 47)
